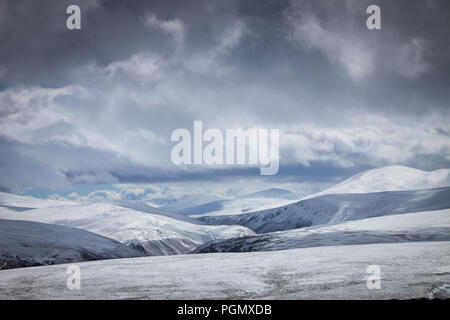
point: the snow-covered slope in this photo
(391, 178)
(20, 202)
(419, 226)
(234, 206)
(276, 193)
(151, 233)
(144, 207)
(26, 243)
(12, 202)
(260, 200)
(408, 271)
(337, 208)
(189, 201)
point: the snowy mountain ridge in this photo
(409, 227)
(10, 200)
(151, 233)
(336, 208)
(264, 199)
(391, 178)
(26, 243)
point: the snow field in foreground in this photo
(408, 270)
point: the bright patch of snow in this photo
(391, 178)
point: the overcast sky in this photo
(98, 105)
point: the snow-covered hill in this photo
(419, 226)
(337, 208)
(276, 193)
(408, 271)
(12, 202)
(260, 200)
(151, 233)
(234, 206)
(189, 201)
(26, 243)
(144, 207)
(391, 178)
(19, 202)
(386, 190)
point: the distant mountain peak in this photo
(272, 193)
(391, 178)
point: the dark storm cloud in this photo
(37, 49)
(98, 105)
